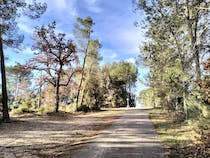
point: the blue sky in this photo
(114, 27)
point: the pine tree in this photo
(10, 10)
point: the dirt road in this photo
(108, 134)
(131, 136)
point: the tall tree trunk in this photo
(153, 99)
(40, 90)
(5, 111)
(80, 84)
(40, 96)
(85, 84)
(82, 94)
(197, 65)
(185, 106)
(57, 88)
(16, 89)
(82, 77)
(184, 94)
(197, 49)
(192, 28)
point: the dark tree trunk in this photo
(5, 111)
(192, 27)
(57, 95)
(197, 65)
(40, 96)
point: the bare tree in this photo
(56, 57)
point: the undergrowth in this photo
(189, 139)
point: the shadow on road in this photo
(132, 136)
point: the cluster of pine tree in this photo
(177, 54)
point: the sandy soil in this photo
(52, 134)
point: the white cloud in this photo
(28, 50)
(60, 9)
(131, 36)
(109, 56)
(128, 39)
(113, 56)
(108, 53)
(128, 50)
(131, 60)
(25, 28)
(120, 34)
(93, 6)
(61, 4)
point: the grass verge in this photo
(181, 140)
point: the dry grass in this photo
(180, 140)
(52, 134)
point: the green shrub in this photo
(71, 108)
(83, 108)
(44, 109)
(20, 110)
(24, 108)
(94, 108)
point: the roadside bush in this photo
(84, 108)
(94, 108)
(70, 108)
(24, 108)
(43, 110)
(20, 110)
